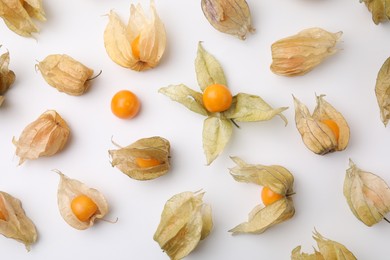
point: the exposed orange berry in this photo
(146, 163)
(268, 196)
(217, 98)
(83, 207)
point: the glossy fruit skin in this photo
(146, 163)
(217, 98)
(125, 104)
(83, 207)
(333, 126)
(268, 196)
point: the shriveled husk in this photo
(229, 16)
(316, 135)
(18, 15)
(46, 136)
(185, 221)
(119, 38)
(16, 224)
(300, 53)
(328, 250)
(68, 189)
(7, 76)
(155, 147)
(65, 74)
(276, 178)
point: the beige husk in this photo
(7, 77)
(276, 178)
(18, 15)
(16, 225)
(367, 194)
(328, 250)
(229, 16)
(155, 147)
(185, 221)
(68, 189)
(300, 53)
(118, 38)
(380, 10)
(65, 74)
(45, 136)
(382, 91)
(316, 135)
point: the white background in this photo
(76, 28)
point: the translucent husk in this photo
(149, 33)
(328, 250)
(380, 10)
(45, 136)
(367, 194)
(18, 15)
(156, 148)
(229, 16)
(218, 127)
(16, 224)
(185, 221)
(7, 77)
(68, 189)
(382, 91)
(276, 178)
(316, 135)
(300, 53)
(65, 74)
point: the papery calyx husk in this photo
(229, 16)
(18, 15)
(46, 136)
(328, 250)
(185, 221)
(16, 224)
(367, 194)
(218, 127)
(300, 53)
(152, 148)
(68, 189)
(7, 76)
(280, 181)
(316, 134)
(140, 44)
(380, 10)
(382, 91)
(65, 74)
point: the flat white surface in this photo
(76, 28)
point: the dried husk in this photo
(45, 136)
(280, 181)
(382, 91)
(229, 16)
(300, 53)
(380, 10)
(218, 127)
(7, 76)
(367, 194)
(208, 69)
(147, 148)
(316, 135)
(16, 224)
(18, 15)
(65, 74)
(328, 249)
(68, 189)
(118, 38)
(185, 221)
